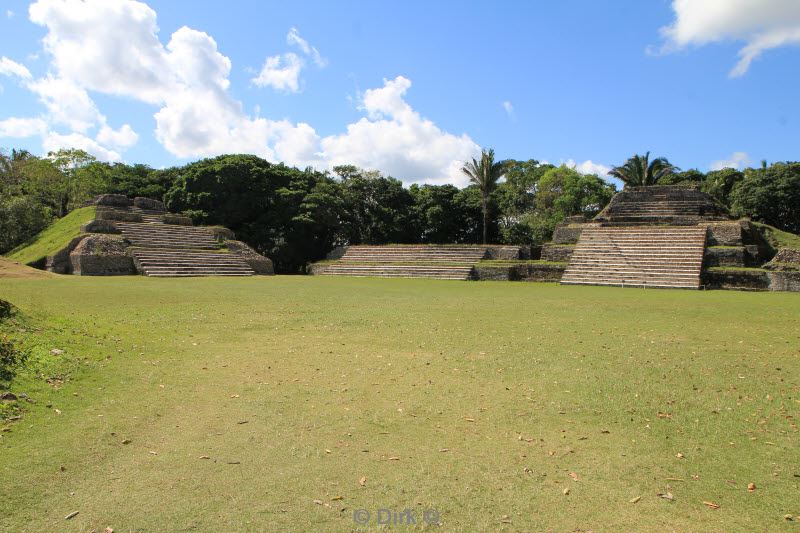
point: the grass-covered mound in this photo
(286, 403)
(54, 238)
(778, 238)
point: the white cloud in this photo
(589, 167)
(187, 81)
(281, 73)
(293, 37)
(22, 127)
(53, 142)
(395, 139)
(122, 138)
(67, 103)
(737, 160)
(9, 67)
(9, 13)
(509, 108)
(761, 24)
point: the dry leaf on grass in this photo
(666, 495)
(711, 505)
(635, 500)
(574, 476)
(751, 487)
(362, 481)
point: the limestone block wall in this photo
(557, 253)
(567, 234)
(260, 264)
(784, 281)
(733, 256)
(736, 279)
(101, 255)
(60, 261)
(725, 234)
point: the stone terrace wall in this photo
(101, 255)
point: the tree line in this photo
(297, 215)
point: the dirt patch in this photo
(12, 269)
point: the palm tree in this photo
(485, 174)
(637, 172)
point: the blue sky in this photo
(410, 88)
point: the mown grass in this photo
(54, 238)
(478, 400)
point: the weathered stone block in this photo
(567, 234)
(557, 253)
(100, 226)
(221, 234)
(785, 256)
(507, 253)
(120, 216)
(114, 200)
(784, 281)
(725, 234)
(178, 220)
(148, 203)
(491, 273)
(101, 255)
(534, 272)
(59, 262)
(522, 272)
(736, 279)
(733, 256)
(260, 264)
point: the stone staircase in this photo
(406, 261)
(638, 256)
(174, 250)
(158, 235)
(159, 262)
(660, 205)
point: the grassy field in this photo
(54, 238)
(286, 403)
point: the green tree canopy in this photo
(639, 171)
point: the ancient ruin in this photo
(667, 237)
(138, 236)
(649, 237)
(412, 261)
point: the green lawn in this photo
(284, 403)
(54, 238)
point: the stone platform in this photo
(138, 236)
(411, 261)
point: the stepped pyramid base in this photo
(138, 236)
(638, 256)
(454, 262)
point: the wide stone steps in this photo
(399, 271)
(182, 263)
(641, 256)
(153, 235)
(406, 261)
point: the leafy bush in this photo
(20, 219)
(10, 358)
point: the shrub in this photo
(5, 310)
(10, 358)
